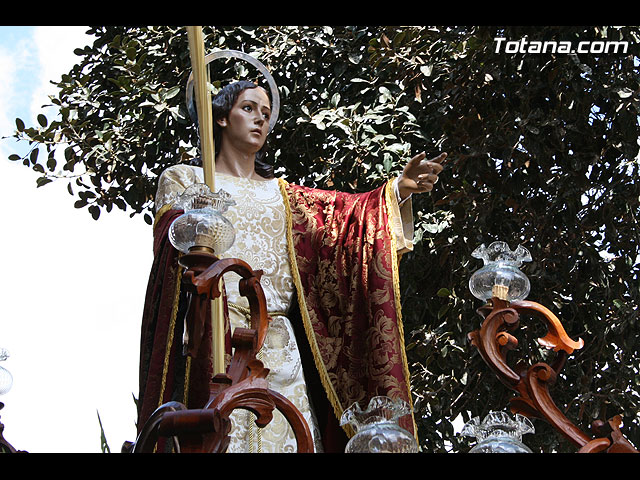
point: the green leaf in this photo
(172, 92)
(33, 156)
(443, 311)
(444, 292)
(42, 120)
(131, 53)
(94, 210)
(19, 125)
(387, 162)
(68, 153)
(42, 181)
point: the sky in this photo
(72, 288)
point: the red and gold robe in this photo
(343, 253)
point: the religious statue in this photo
(330, 263)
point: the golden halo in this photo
(273, 88)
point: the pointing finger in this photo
(438, 162)
(435, 164)
(415, 161)
(440, 158)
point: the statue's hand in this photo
(420, 175)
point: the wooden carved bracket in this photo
(243, 386)
(494, 340)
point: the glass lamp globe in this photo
(377, 428)
(6, 379)
(499, 433)
(500, 276)
(202, 224)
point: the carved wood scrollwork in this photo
(243, 386)
(494, 340)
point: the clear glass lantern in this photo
(499, 433)
(500, 276)
(6, 379)
(377, 428)
(202, 224)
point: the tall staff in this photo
(207, 152)
(203, 104)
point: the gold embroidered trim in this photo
(247, 312)
(187, 375)
(164, 209)
(170, 338)
(395, 261)
(324, 376)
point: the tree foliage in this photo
(543, 148)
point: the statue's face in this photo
(247, 124)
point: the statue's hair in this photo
(222, 104)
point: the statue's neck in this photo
(236, 163)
